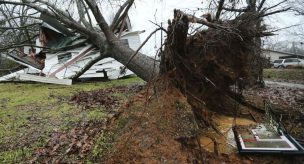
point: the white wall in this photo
(133, 40)
(273, 55)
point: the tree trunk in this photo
(143, 66)
(256, 62)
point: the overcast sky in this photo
(162, 10)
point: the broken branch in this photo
(204, 21)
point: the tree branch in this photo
(274, 6)
(81, 12)
(204, 21)
(100, 20)
(261, 5)
(120, 10)
(122, 17)
(88, 66)
(235, 10)
(21, 45)
(21, 27)
(139, 48)
(87, 12)
(275, 12)
(219, 9)
(54, 8)
(159, 26)
(17, 17)
(67, 21)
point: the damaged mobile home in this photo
(60, 54)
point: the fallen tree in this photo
(196, 73)
(107, 39)
(193, 80)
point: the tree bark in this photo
(142, 65)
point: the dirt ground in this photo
(150, 127)
(159, 128)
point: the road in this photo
(285, 84)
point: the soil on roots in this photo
(154, 121)
(158, 126)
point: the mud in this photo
(225, 141)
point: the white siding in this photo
(133, 40)
(111, 66)
(273, 55)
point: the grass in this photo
(30, 112)
(284, 74)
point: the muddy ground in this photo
(145, 128)
(142, 132)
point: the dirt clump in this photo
(154, 122)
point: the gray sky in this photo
(162, 10)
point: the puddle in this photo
(226, 142)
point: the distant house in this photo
(272, 55)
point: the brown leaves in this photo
(102, 98)
(282, 97)
(76, 142)
(72, 146)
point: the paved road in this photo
(285, 84)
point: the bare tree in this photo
(297, 6)
(19, 26)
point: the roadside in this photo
(284, 75)
(284, 84)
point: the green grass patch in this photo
(284, 74)
(102, 145)
(29, 112)
(14, 156)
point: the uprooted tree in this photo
(202, 66)
(22, 24)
